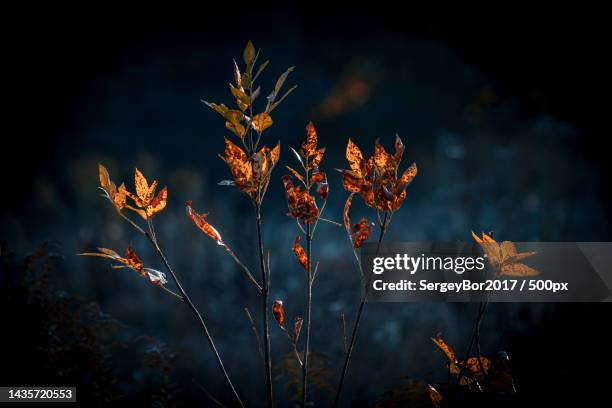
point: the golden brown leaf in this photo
(300, 254)
(296, 175)
(407, 176)
(279, 313)
(315, 160)
(355, 159)
(235, 128)
(132, 260)
(301, 205)
(240, 166)
(242, 99)
(158, 203)
(504, 257)
(143, 191)
(361, 232)
(249, 53)
(346, 216)
(518, 269)
(200, 221)
(105, 181)
(448, 351)
(309, 147)
(275, 154)
(261, 122)
(117, 197)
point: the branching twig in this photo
(150, 235)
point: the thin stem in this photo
(151, 237)
(173, 293)
(383, 230)
(254, 327)
(246, 270)
(265, 302)
(308, 315)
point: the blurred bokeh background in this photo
(500, 114)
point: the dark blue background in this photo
(500, 112)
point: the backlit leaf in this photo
(261, 122)
(279, 313)
(200, 221)
(300, 254)
(249, 53)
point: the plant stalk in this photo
(195, 311)
(383, 230)
(308, 316)
(265, 306)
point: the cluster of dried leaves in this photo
(146, 204)
(479, 373)
(376, 181)
(279, 315)
(504, 258)
(250, 168)
(132, 261)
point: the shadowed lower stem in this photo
(383, 230)
(151, 237)
(308, 316)
(265, 302)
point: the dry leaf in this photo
(249, 53)
(300, 254)
(279, 313)
(145, 199)
(297, 327)
(261, 122)
(117, 197)
(376, 179)
(361, 232)
(200, 221)
(504, 258)
(132, 261)
(296, 175)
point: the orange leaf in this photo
(450, 353)
(158, 203)
(200, 222)
(261, 122)
(347, 208)
(361, 232)
(279, 313)
(235, 128)
(296, 175)
(309, 147)
(355, 159)
(315, 160)
(300, 254)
